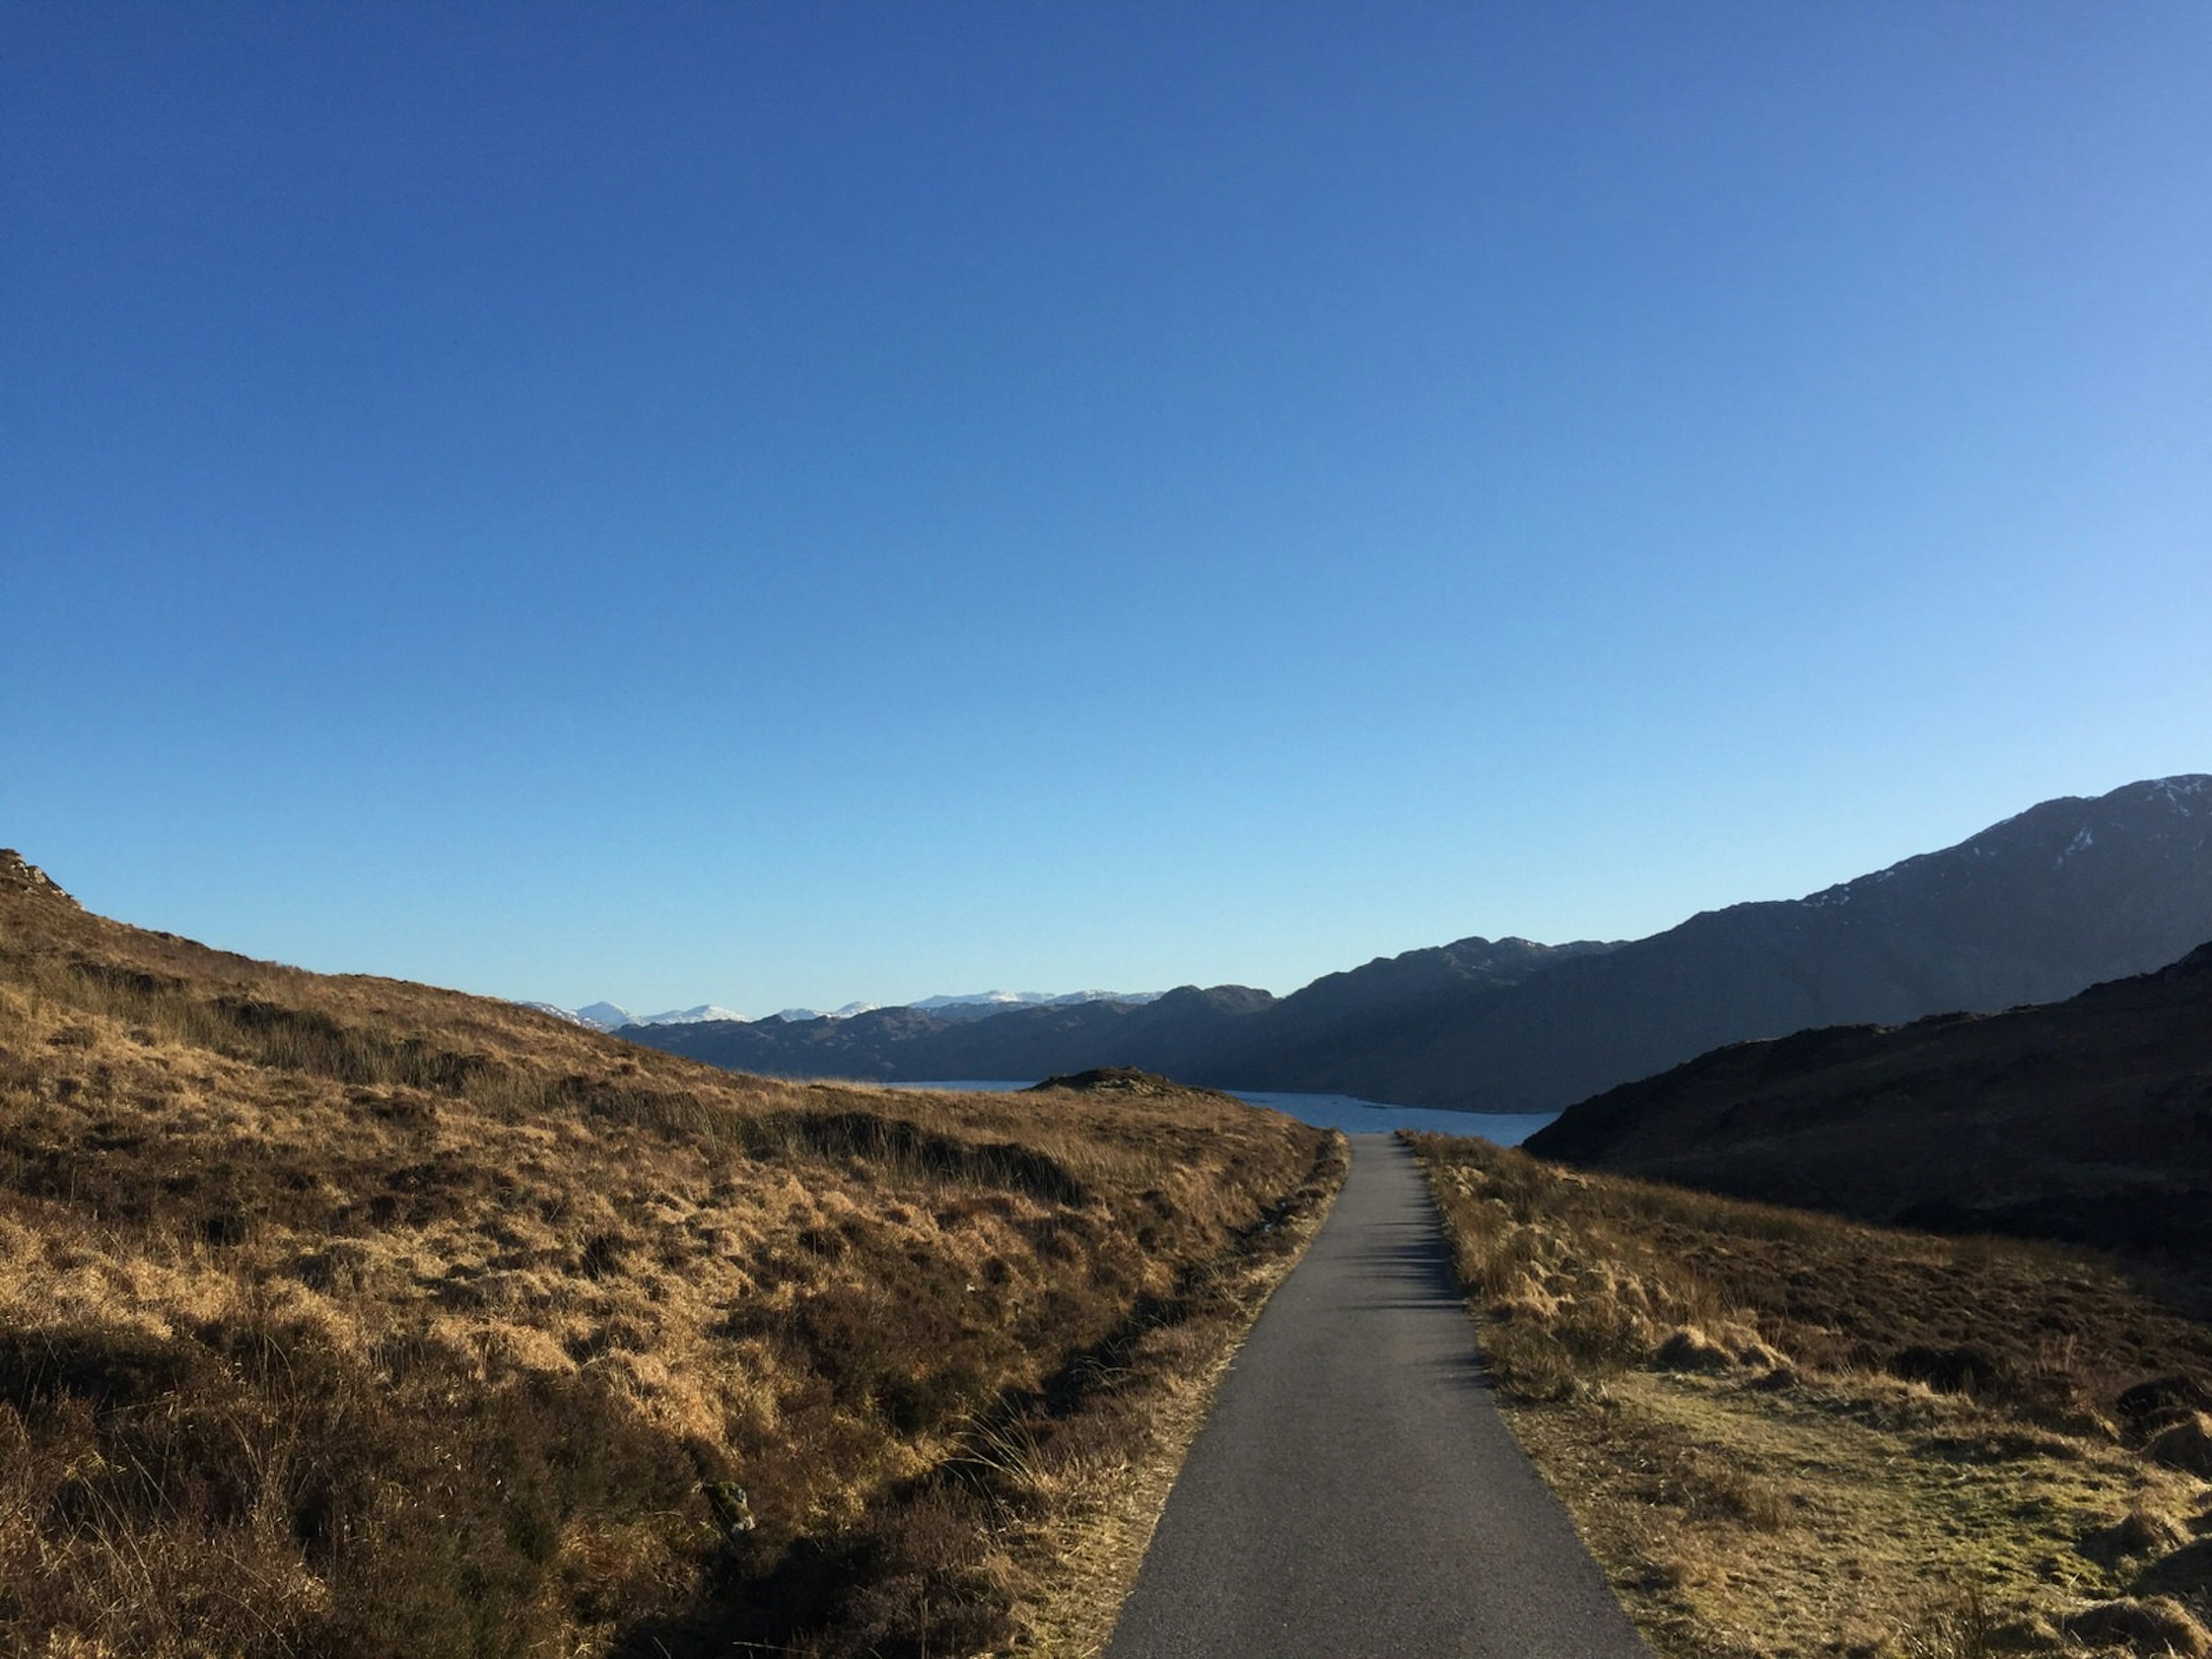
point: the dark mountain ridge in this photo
(2088, 1119)
(2032, 909)
(1172, 1034)
(1344, 1032)
(1228, 1036)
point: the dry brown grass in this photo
(1784, 1434)
(345, 1316)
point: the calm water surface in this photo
(1343, 1112)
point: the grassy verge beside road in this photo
(343, 1316)
(1785, 1434)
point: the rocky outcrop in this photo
(28, 878)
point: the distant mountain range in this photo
(974, 1004)
(2087, 1120)
(612, 1016)
(2032, 909)
(1171, 1033)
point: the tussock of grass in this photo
(347, 1317)
(1784, 1434)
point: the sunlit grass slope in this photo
(1785, 1434)
(345, 1316)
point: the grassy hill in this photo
(345, 1316)
(1786, 1433)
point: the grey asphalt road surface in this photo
(1355, 1492)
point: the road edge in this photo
(1084, 1561)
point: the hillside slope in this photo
(2088, 1119)
(346, 1316)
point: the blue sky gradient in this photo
(787, 504)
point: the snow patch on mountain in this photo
(2180, 790)
(568, 1014)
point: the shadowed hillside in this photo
(2088, 1119)
(345, 1316)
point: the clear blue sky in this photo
(788, 502)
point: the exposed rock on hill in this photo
(28, 877)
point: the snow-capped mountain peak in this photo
(558, 1012)
(792, 1015)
